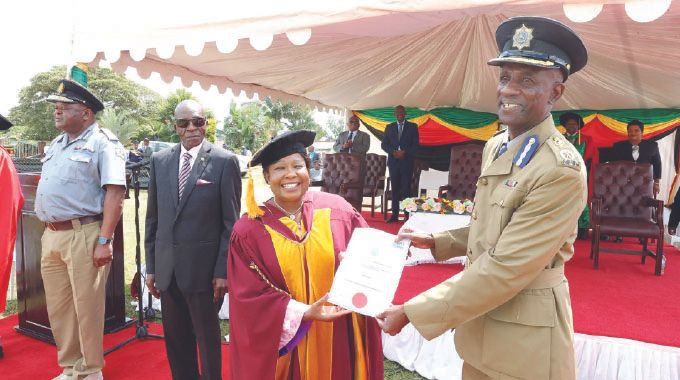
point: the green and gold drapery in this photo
(445, 126)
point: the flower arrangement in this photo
(437, 205)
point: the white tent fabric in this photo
(422, 54)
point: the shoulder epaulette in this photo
(109, 135)
(564, 151)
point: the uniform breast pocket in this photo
(504, 201)
(80, 165)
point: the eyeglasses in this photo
(198, 122)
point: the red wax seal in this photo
(359, 300)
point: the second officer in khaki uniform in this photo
(80, 199)
(510, 306)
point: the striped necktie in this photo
(502, 149)
(184, 172)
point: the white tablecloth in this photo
(430, 222)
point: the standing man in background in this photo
(400, 143)
(194, 201)
(80, 200)
(352, 140)
(11, 201)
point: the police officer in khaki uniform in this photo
(510, 306)
(80, 199)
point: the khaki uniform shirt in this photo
(75, 172)
(510, 306)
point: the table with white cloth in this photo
(430, 180)
(430, 223)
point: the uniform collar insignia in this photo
(522, 38)
(526, 151)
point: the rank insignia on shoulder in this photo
(558, 141)
(511, 183)
(526, 151)
(569, 158)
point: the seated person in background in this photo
(134, 155)
(315, 173)
(352, 140)
(313, 156)
(280, 267)
(638, 150)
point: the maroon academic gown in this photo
(257, 310)
(11, 201)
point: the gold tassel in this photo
(254, 211)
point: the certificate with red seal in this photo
(369, 273)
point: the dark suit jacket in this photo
(360, 144)
(190, 236)
(409, 142)
(649, 154)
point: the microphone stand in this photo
(141, 331)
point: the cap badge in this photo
(522, 38)
(60, 89)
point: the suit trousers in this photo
(190, 320)
(400, 179)
(75, 292)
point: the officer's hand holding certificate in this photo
(369, 273)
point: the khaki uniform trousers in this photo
(75, 291)
(472, 373)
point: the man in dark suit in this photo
(194, 201)
(352, 140)
(637, 150)
(400, 143)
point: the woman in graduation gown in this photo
(572, 123)
(281, 263)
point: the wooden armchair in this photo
(464, 169)
(623, 205)
(374, 179)
(342, 175)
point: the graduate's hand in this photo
(418, 239)
(151, 285)
(320, 312)
(219, 288)
(392, 320)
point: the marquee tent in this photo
(369, 54)
(363, 55)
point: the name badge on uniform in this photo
(511, 183)
(526, 151)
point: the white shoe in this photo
(94, 376)
(63, 376)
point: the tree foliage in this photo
(253, 124)
(138, 103)
(122, 123)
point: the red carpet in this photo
(622, 299)
(27, 358)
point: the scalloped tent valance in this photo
(367, 54)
